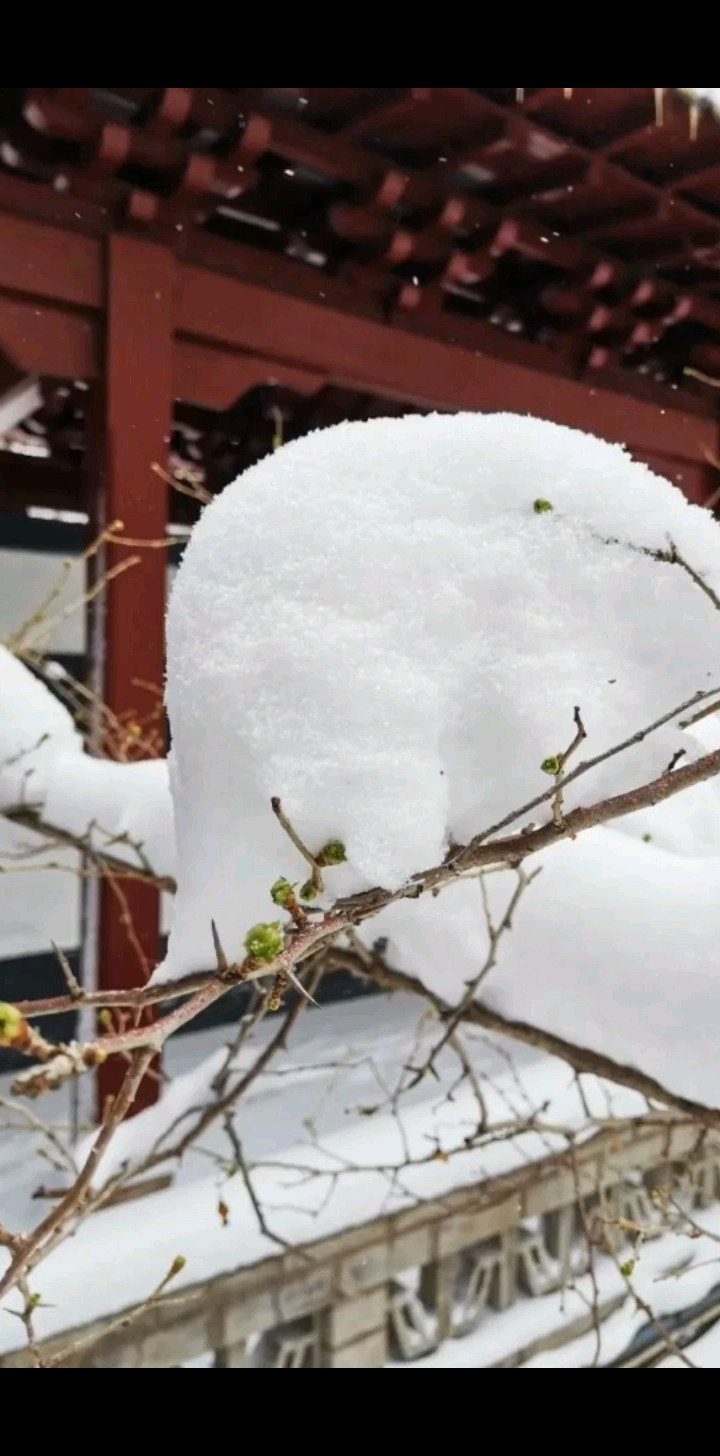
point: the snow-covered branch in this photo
(380, 642)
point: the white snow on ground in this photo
(655, 1279)
(120, 1254)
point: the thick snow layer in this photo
(377, 625)
(124, 807)
(39, 894)
(613, 947)
(34, 728)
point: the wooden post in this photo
(133, 417)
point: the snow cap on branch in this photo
(34, 729)
(379, 626)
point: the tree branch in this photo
(583, 1059)
(53, 1226)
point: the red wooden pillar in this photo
(133, 422)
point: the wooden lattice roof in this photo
(580, 229)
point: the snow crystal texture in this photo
(34, 729)
(377, 625)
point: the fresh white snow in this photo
(124, 807)
(377, 625)
(310, 1110)
(341, 1058)
(612, 948)
(34, 729)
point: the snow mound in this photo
(124, 808)
(34, 729)
(612, 948)
(387, 625)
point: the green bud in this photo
(282, 893)
(551, 766)
(274, 1003)
(627, 1269)
(540, 506)
(647, 838)
(11, 1022)
(177, 1266)
(264, 942)
(332, 853)
(309, 891)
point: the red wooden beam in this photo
(131, 433)
(363, 354)
(215, 378)
(57, 265)
(50, 262)
(41, 338)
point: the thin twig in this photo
(676, 559)
(559, 770)
(54, 1225)
(74, 988)
(316, 878)
(123, 1322)
(495, 934)
(31, 1119)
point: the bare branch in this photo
(54, 1225)
(316, 879)
(582, 1059)
(495, 934)
(74, 988)
(123, 1322)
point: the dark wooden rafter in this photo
(228, 344)
(400, 200)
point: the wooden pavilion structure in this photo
(188, 272)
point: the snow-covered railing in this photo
(397, 1287)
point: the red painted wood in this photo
(698, 480)
(216, 378)
(133, 434)
(43, 339)
(459, 370)
(363, 354)
(50, 262)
